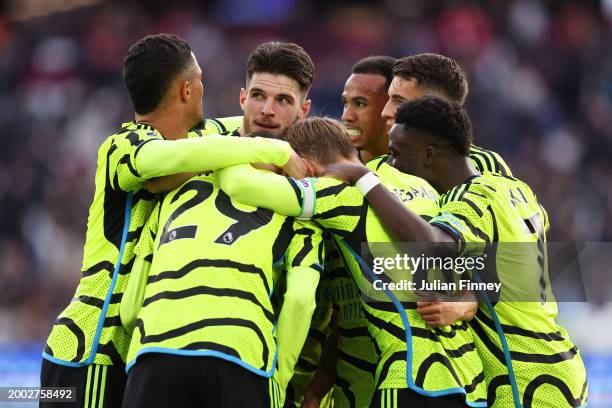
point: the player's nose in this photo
(388, 111)
(268, 107)
(348, 115)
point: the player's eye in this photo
(361, 104)
(257, 95)
(284, 100)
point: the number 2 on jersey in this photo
(246, 222)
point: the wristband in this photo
(367, 182)
(309, 199)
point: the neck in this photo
(169, 124)
(374, 151)
(365, 156)
(454, 173)
(353, 159)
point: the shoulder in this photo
(334, 198)
(478, 188)
(130, 136)
(320, 183)
(377, 162)
(488, 160)
(331, 187)
(465, 211)
(135, 133)
(217, 126)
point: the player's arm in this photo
(167, 183)
(322, 199)
(263, 189)
(135, 157)
(208, 127)
(303, 262)
(161, 184)
(158, 158)
(408, 227)
(405, 224)
(324, 377)
(134, 291)
(122, 172)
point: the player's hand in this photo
(310, 401)
(348, 173)
(439, 313)
(295, 167)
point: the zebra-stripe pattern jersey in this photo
(528, 358)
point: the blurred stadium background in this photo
(540, 94)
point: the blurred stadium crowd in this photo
(540, 94)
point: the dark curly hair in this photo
(435, 72)
(377, 65)
(282, 59)
(442, 120)
(151, 65)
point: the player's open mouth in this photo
(353, 132)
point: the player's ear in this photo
(430, 155)
(186, 91)
(305, 108)
(243, 96)
(313, 169)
